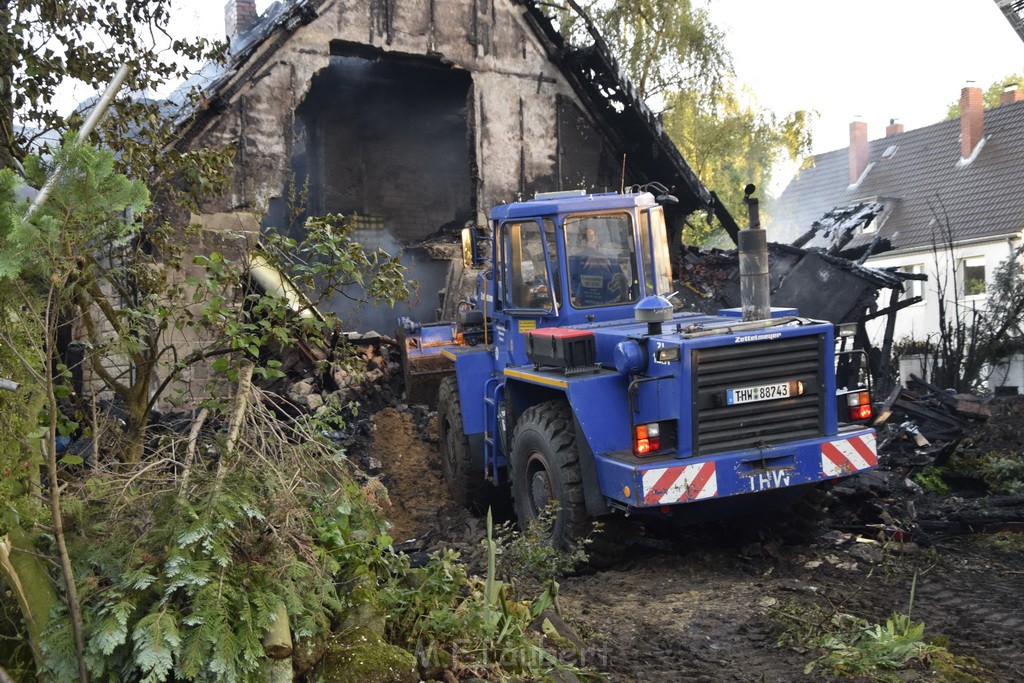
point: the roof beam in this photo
(1013, 10)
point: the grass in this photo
(848, 646)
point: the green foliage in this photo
(530, 557)
(729, 142)
(677, 60)
(44, 46)
(84, 211)
(81, 249)
(1002, 472)
(991, 95)
(932, 478)
(473, 625)
(852, 647)
(184, 583)
(328, 261)
(666, 46)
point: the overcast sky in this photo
(876, 59)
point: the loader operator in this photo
(595, 276)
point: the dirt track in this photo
(700, 605)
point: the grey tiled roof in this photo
(921, 185)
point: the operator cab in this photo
(579, 257)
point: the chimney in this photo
(239, 17)
(1011, 93)
(858, 150)
(972, 120)
(894, 127)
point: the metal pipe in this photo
(755, 297)
(274, 282)
(83, 134)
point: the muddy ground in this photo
(704, 603)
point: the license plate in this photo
(764, 392)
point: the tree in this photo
(665, 45)
(729, 143)
(100, 257)
(47, 45)
(991, 96)
(974, 336)
(677, 59)
(56, 269)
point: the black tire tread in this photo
(802, 520)
(466, 485)
(553, 422)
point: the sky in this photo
(869, 59)
(872, 59)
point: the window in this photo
(528, 280)
(601, 256)
(972, 276)
(656, 265)
(912, 288)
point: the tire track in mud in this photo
(705, 615)
(982, 613)
(699, 617)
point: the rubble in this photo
(923, 424)
(837, 228)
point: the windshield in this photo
(527, 267)
(601, 256)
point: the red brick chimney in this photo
(239, 17)
(972, 120)
(894, 127)
(858, 149)
(1011, 93)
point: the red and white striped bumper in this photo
(732, 474)
(667, 485)
(847, 456)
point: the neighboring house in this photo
(958, 181)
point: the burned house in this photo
(414, 118)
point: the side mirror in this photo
(666, 199)
(468, 247)
(474, 246)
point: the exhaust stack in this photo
(753, 251)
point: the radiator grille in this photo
(721, 427)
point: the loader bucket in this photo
(423, 364)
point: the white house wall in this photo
(920, 321)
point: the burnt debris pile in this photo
(922, 424)
(949, 464)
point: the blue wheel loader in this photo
(568, 377)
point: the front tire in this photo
(545, 467)
(465, 479)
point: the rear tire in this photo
(799, 523)
(465, 479)
(802, 520)
(544, 466)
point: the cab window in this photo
(654, 248)
(601, 255)
(527, 268)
